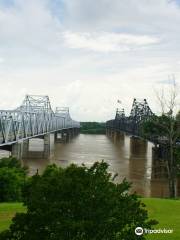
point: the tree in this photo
(78, 203)
(11, 182)
(10, 162)
(167, 128)
(12, 178)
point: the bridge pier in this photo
(17, 150)
(115, 134)
(60, 136)
(138, 146)
(118, 136)
(109, 132)
(159, 168)
(25, 150)
(65, 135)
(69, 135)
(46, 151)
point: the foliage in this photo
(165, 130)
(159, 126)
(10, 162)
(78, 203)
(93, 127)
(12, 178)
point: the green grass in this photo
(7, 212)
(165, 211)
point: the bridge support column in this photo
(25, 153)
(69, 134)
(138, 146)
(57, 136)
(112, 134)
(60, 136)
(159, 168)
(118, 136)
(46, 146)
(73, 132)
(122, 135)
(76, 131)
(115, 135)
(17, 150)
(65, 135)
(107, 132)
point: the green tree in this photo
(78, 203)
(10, 162)
(11, 183)
(12, 178)
(93, 127)
(166, 129)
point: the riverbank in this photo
(165, 211)
(93, 128)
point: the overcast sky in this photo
(88, 54)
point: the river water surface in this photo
(130, 158)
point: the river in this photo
(129, 157)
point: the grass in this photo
(7, 212)
(165, 211)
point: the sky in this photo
(87, 54)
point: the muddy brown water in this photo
(129, 157)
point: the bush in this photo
(78, 203)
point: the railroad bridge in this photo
(34, 118)
(131, 124)
(140, 112)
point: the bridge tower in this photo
(140, 111)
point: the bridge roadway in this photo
(34, 119)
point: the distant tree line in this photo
(93, 127)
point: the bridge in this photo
(131, 124)
(140, 112)
(34, 118)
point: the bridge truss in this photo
(140, 112)
(33, 118)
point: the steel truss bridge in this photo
(33, 118)
(131, 124)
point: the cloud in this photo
(1, 60)
(86, 56)
(132, 15)
(107, 42)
